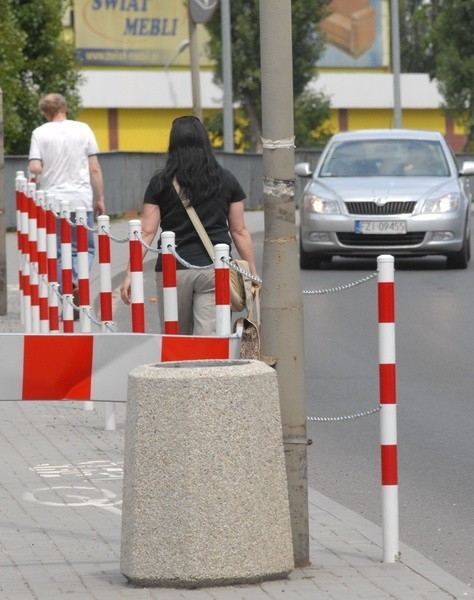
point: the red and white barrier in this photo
(170, 290)
(33, 245)
(105, 272)
(388, 408)
(136, 276)
(222, 290)
(42, 262)
(25, 249)
(19, 176)
(66, 267)
(83, 269)
(52, 263)
(92, 366)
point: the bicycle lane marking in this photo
(76, 496)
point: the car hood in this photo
(369, 188)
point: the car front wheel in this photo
(460, 260)
(309, 260)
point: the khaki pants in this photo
(196, 301)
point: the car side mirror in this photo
(303, 169)
(467, 168)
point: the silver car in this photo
(387, 191)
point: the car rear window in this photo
(385, 158)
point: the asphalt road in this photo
(435, 393)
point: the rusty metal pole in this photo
(282, 303)
(3, 250)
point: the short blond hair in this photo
(52, 104)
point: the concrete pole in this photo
(397, 104)
(227, 76)
(3, 249)
(194, 59)
(282, 305)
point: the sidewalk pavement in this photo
(61, 488)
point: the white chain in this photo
(232, 265)
(138, 236)
(185, 262)
(346, 417)
(119, 240)
(341, 288)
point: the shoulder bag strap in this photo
(196, 221)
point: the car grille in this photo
(359, 239)
(370, 208)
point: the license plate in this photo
(380, 227)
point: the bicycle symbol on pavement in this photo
(75, 496)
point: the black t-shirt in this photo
(213, 214)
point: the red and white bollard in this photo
(222, 289)
(66, 266)
(42, 262)
(19, 176)
(170, 291)
(105, 295)
(136, 276)
(388, 408)
(83, 269)
(52, 262)
(105, 272)
(33, 245)
(25, 250)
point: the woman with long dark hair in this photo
(217, 197)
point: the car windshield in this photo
(385, 158)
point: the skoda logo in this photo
(381, 201)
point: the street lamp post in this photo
(282, 301)
(395, 28)
(194, 60)
(3, 252)
(227, 76)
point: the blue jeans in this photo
(90, 246)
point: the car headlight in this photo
(320, 205)
(444, 204)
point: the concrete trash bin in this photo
(205, 499)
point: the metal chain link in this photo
(112, 237)
(232, 265)
(67, 219)
(341, 288)
(94, 229)
(344, 418)
(138, 236)
(185, 262)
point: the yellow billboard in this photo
(133, 32)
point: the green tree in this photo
(454, 68)
(245, 32)
(417, 46)
(12, 61)
(42, 61)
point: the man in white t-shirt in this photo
(63, 154)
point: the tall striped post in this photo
(222, 289)
(33, 244)
(170, 290)
(105, 273)
(19, 176)
(52, 263)
(42, 262)
(83, 278)
(83, 269)
(66, 266)
(105, 295)
(136, 275)
(25, 251)
(388, 408)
